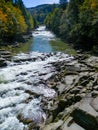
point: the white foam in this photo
(20, 77)
(9, 101)
(12, 123)
(34, 112)
(41, 31)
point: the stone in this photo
(53, 126)
(5, 52)
(85, 115)
(69, 124)
(94, 93)
(60, 88)
(93, 61)
(69, 79)
(3, 62)
(95, 87)
(75, 91)
(94, 104)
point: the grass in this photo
(59, 45)
(23, 47)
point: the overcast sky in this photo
(33, 3)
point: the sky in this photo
(33, 3)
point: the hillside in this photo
(40, 12)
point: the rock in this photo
(93, 61)
(94, 104)
(3, 62)
(69, 79)
(6, 56)
(5, 53)
(95, 87)
(53, 126)
(75, 91)
(60, 88)
(94, 93)
(69, 124)
(85, 115)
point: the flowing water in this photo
(46, 41)
(43, 41)
(23, 83)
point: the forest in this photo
(76, 21)
(15, 20)
(41, 11)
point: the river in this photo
(43, 41)
(24, 82)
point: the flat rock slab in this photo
(53, 126)
(94, 104)
(85, 113)
(71, 126)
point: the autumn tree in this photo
(14, 19)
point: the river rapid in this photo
(24, 83)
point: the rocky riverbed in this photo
(49, 91)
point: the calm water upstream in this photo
(46, 41)
(41, 40)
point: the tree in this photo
(63, 4)
(53, 20)
(89, 22)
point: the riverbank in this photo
(49, 91)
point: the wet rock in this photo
(53, 84)
(3, 62)
(5, 53)
(94, 93)
(6, 56)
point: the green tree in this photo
(52, 21)
(63, 4)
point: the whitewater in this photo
(23, 84)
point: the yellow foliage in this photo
(94, 4)
(14, 20)
(2, 16)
